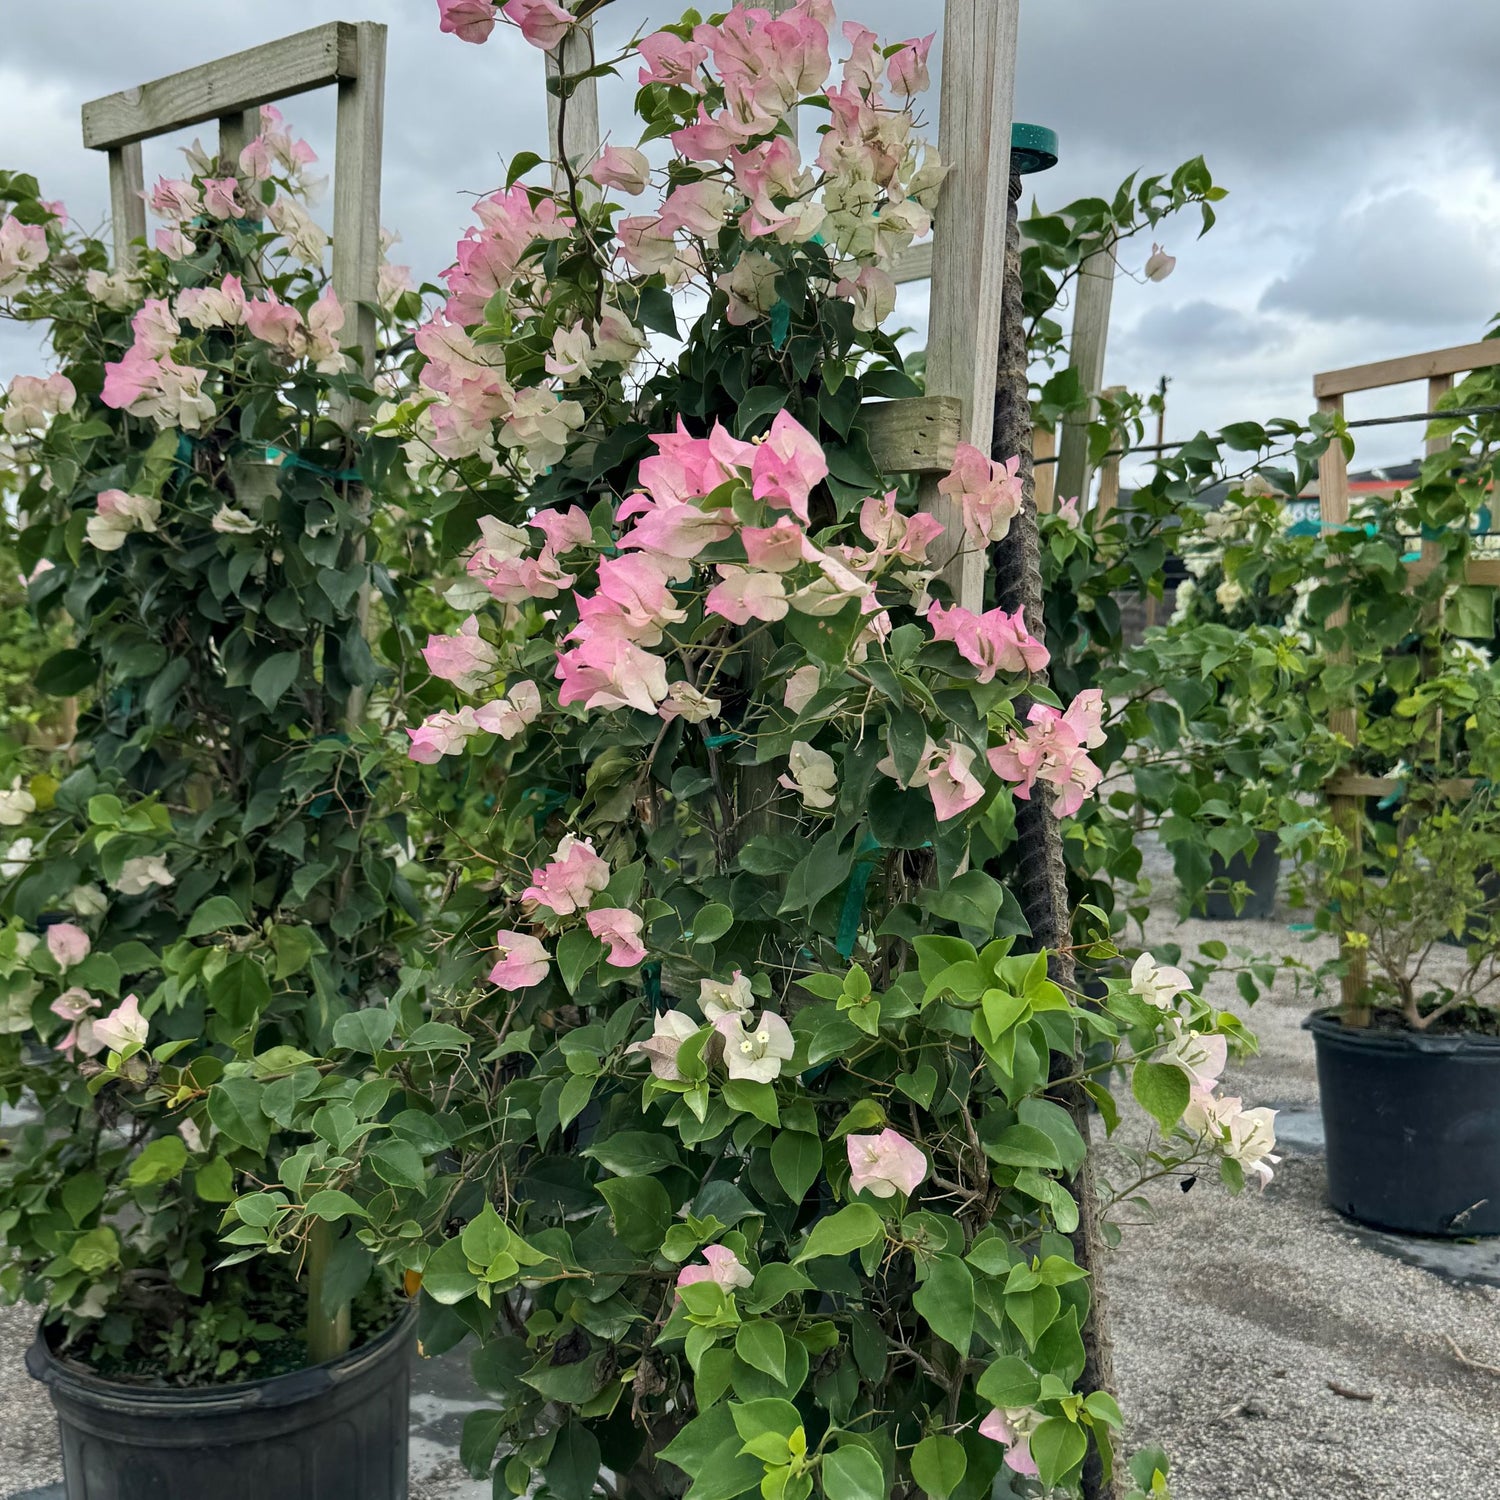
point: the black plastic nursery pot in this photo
(335, 1432)
(1412, 1124)
(1260, 872)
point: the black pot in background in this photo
(1260, 873)
(335, 1432)
(1413, 1127)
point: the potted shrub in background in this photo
(1407, 1062)
(205, 895)
(746, 1173)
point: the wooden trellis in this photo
(966, 259)
(230, 90)
(1347, 791)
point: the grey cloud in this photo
(1405, 259)
(1198, 328)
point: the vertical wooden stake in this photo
(968, 253)
(573, 123)
(1094, 296)
(1348, 812)
(127, 208)
(356, 191)
(1044, 445)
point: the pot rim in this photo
(67, 1379)
(1326, 1027)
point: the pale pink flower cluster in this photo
(750, 1048)
(23, 251)
(987, 493)
(117, 515)
(1246, 1136)
(885, 1164)
(123, 1029)
(872, 189)
(566, 886)
(449, 733)
(1012, 1427)
(948, 773)
(994, 641)
(1055, 750)
(31, 402)
(722, 1266)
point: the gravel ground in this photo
(1275, 1351)
(1278, 1352)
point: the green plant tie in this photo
(854, 896)
(718, 741)
(781, 324)
(295, 461)
(1317, 528)
(651, 974)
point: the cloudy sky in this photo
(1359, 142)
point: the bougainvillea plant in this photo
(750, 1177)
(202, 892)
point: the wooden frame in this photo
(965, 260)
(1347, 791)
(348, 55)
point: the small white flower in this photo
(16, 805)
(137, 876)
(231, 522)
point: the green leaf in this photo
(159, 1162)
(574, 1466)
(851, 1228)
(67, 673)
(1008, 1382)
(400, 1164)
(752, 1098)
(481, 1436)
(234, 1106)
(853, 1473)
(437, 1036)
(446, 1277)
(938, 1464)
(214, 1181)
(796, 1160)
(1057, 1446)
(712, 923)
(641, 1211)
(275, 675)
(1032, 1311)
(946, 1301)
(1162, 1090)
(635, 1153)
(330, 1203)
(214, 915)
(364, 1030)
(762, 1345)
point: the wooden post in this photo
(1348, 812)
(358, 154)
(968, 253)
(127, 206)
(1094, 296)
(1109, 470)
(573, 123)
(1044, 445)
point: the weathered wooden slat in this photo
(1483, 571)
(1453, 361)
(919, 436)
(1355, 784)
(968, 254)
(228, 85)
(1093, 297)
(914, 264)
(1044, 446)
(127, 208)
(356, 188)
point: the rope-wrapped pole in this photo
(1043, 892)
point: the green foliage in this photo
(220, 847)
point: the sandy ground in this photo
(1274, 1350)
